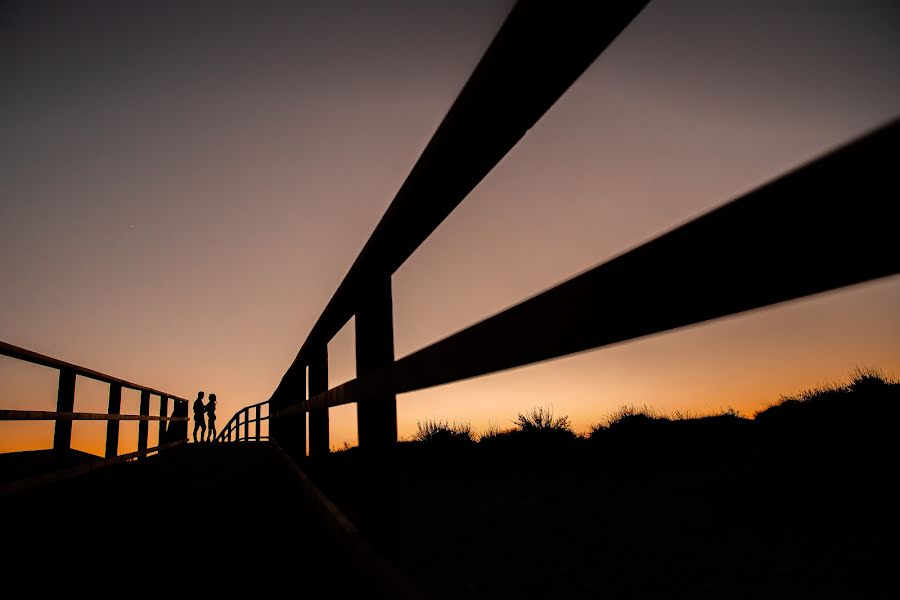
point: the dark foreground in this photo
(802, 504)
(201, 521)
(802, 501)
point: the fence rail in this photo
(48, 415)
(55, 363)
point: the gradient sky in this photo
(183, 185)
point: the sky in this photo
(184, 185)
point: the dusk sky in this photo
(184, 185)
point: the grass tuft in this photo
(442, 432)
(865, 377)
(542, 419)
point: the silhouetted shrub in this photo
(542, 419)
(868, 378)
(539, 429)
(494, 432)
(627, 421)
(534, 430)
(443, 433)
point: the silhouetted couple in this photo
(202, 413)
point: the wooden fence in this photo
(820, 227)
(65, 412)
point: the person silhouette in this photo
(199, 420)
(211, 418)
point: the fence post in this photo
(290, 431)
(246, 424)
(319, 444)
(258, 414)
(163, 412)
(112, 427)
(182, 425)
(377, 417)
(276, 403)
(65, 402)
(143, 426)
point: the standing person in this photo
(211, 416)
(199, 420)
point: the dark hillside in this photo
(800, 501)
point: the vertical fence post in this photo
(182, 407)
(377, 417)
(258, 414)
(163, 412)
(246, 413)
(143, 426)
(65, 402)
(112, 427)
(275, 404)
(319, 444)
(290, 431)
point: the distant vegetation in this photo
(866, 403)
(441, 432)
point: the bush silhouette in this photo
(442, 433)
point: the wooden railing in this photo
(232, 432)
(172, 428)
(820, 227)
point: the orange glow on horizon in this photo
(746, 363)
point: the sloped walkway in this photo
(200, 520)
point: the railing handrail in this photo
(234, 423)
(51, 415)
(55, 363)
